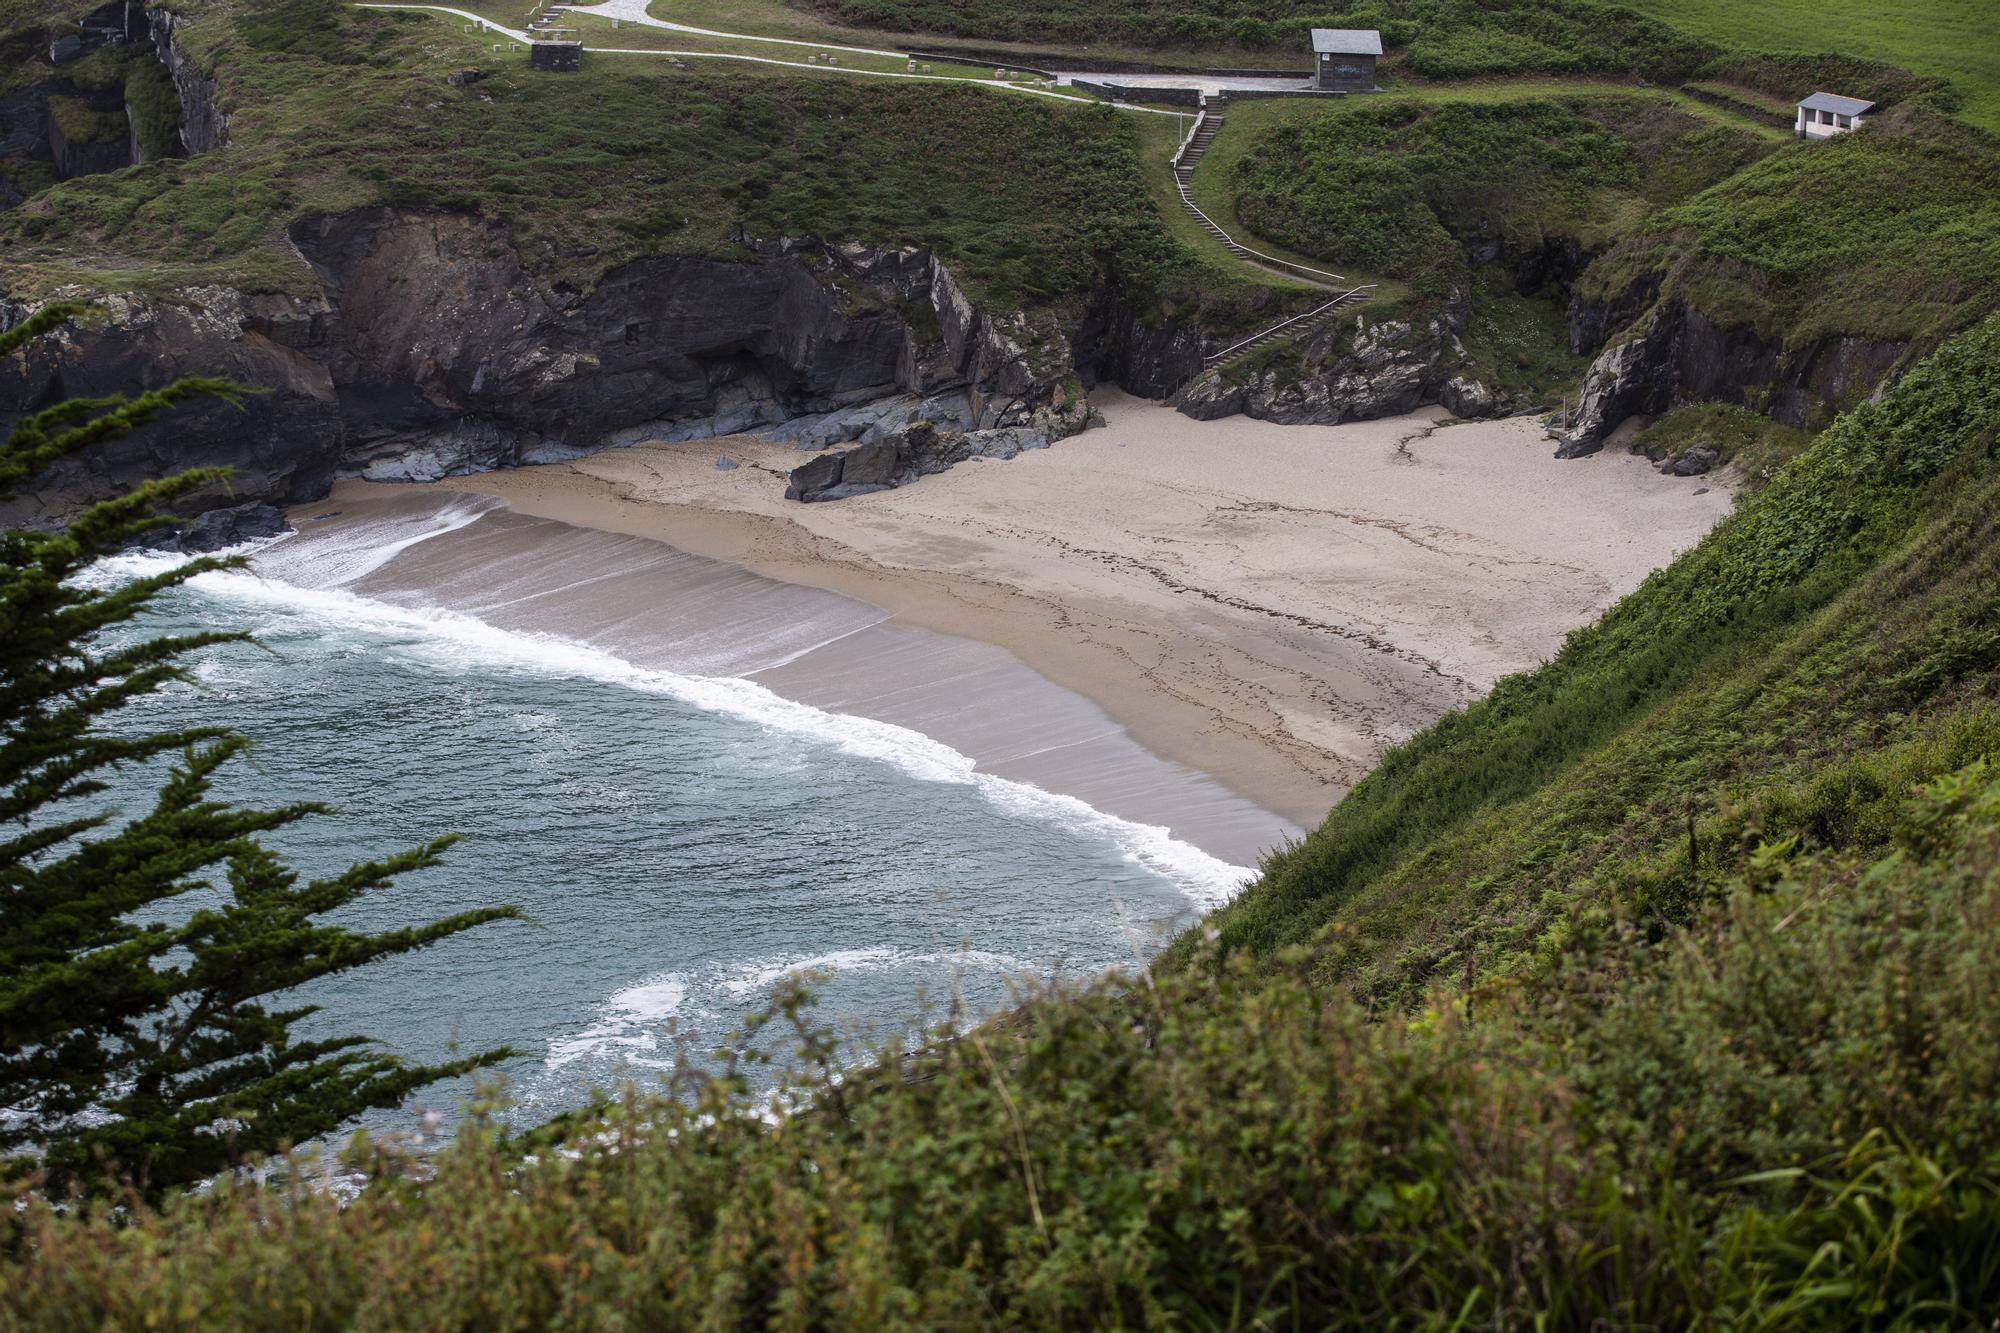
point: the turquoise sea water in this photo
(679, 841)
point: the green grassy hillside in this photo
(334, 108)
(1893, 233)
(1402, 187)
(1954, 39)
(1439, 38)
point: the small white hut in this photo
(1825, 114)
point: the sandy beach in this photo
(1271, 605)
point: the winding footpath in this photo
(634, 13)
(1183, 163)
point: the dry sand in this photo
(1273, 605)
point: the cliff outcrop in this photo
(435, 346)
(1674, 354)
(1347, 371)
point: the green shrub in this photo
(1394, 186)
(1891, 233)
(1791, 75)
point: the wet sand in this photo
(1269, 605)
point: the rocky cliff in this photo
(204, 126)
(1347, 371)
(436, 346)
(82, 127)
(1673, 354)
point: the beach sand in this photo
(1271, 605)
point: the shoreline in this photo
(1270, 606)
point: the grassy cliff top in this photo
(1402, 186)
(1893, 232)
(333, 108)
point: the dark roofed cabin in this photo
(1344, 59)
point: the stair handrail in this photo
(1181, 152)
(1282, 325)
(1195, 209)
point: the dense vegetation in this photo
(1756, 444)
(335, 108)
(1716, 1047)
(1893, 233)
(1407, 187)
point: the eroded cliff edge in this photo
(434, 347)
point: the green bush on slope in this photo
(1781, 1118)
(1394, 186)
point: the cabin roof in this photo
(1834, 102)
(1347, 41)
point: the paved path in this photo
(633, 11)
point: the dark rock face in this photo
(1149, 355)
(1351, 374)
(204, 125)
(219, 529)
(73, 159)
(1592, 323)
(435, 348)
(283, 445)
(917, 450)
(1677, 355)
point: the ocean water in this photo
(590, 714)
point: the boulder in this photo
(220, 529)
(1692, 462)
(1463, 397)
(870, 465)
(808, 480)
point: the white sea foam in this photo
(754, 979)
(629, 1023)
(352, 553)
(455, 639)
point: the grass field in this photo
(1958, 39)
(336, 108)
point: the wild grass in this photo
(1954, 39)
(334, 108)
(1893, 232)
